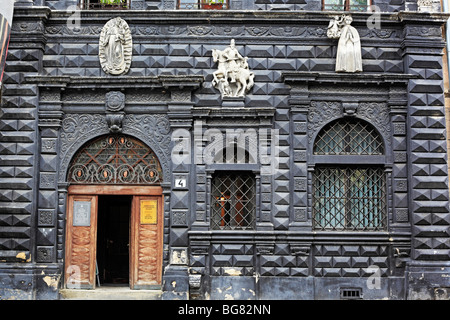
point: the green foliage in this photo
(112, 1)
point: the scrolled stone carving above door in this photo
(77, 129)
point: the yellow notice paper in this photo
(149, 211)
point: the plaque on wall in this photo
(81, 213)
(149, 211)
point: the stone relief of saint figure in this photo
(233, 77)
(348, 58)
(115, 47)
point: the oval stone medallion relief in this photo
(115, 47)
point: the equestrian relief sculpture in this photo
(233, 77)
(348, 58)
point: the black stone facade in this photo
(53, 101)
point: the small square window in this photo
(345, 5)
(202, 4)
(104, 4)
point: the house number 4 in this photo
(180, 183)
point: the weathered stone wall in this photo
(53, 78)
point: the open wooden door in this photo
(81, 238)
(146, 239)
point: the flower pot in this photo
(213, 6)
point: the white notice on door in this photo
(81, 213)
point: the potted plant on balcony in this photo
(112, 4)
(213, 4)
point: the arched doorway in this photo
(114, 222)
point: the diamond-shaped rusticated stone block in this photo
(341, 262)
(426, 86)
(271, 261)
(178, 237)
(242, 260)
(15, 232)
(431, 231)
(236, 249)
(22, 66)
(428, 218)
(424, 62)
(281, 223)
(18, 220)
(22, 196)
(179, 200)
(46, 236)
(15, 208)
(48, 199)
(221, 260)
(432, 254)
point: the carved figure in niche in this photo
(233, 77)
(348, 58)
(115, 47)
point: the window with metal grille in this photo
(233, 201)
(349, 137)
(115, 159)
(202, 4)
(349, 197)
(104, 4)
(345, 5)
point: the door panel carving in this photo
(81, 243)
(147, 244)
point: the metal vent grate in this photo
(351, 293)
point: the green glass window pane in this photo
(349, 198)
(334, 5)
(345, 137)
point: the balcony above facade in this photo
(265, 5)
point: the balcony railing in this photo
(202, 5)
(97, 5)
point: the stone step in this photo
(110, 293)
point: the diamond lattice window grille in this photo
(348, 137)
(233, 201)
(115, 160)
(349, 198)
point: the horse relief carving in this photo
(115, 47)
(233, 77)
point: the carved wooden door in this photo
(81, 238)
(146, 240)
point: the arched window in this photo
(349, 186)
(233, 190)
(115, 159)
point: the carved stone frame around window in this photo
(379, 99)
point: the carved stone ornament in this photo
(115, 103)
(233, 77)
(348, 58)
(115, 47)
(428, 6)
